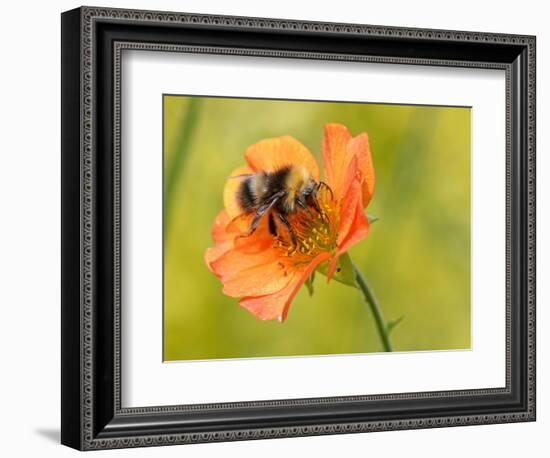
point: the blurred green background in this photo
(416, 257)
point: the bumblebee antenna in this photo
(244, 175)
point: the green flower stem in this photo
(381, 325)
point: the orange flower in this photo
(265, 268)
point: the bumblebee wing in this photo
(232, 185)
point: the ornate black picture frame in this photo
(92, 42)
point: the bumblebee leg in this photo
(289, 229)
(314, 201)
(258, 216)
(272, 225)
(303, 206)
(322, 184)
(262, 210)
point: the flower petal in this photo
(275, 306)
(219, 232)
(235, 261)
(222, 240)
(335, 156)
(230, 190)
(357, 232)
(359, 147)
(339, 150)
(228, 235)
(348, 209)
(354, 223)
(259, 280)
(274, 153)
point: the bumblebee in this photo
(278, 194)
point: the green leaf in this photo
(309, 283)
(392, 324)
(372, 219)
(344, 271)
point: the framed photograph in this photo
(276, 228)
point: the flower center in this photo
(312, 230)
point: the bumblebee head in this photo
(297, 180)
(299, 185)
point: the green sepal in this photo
(372, 219)
(309, 283)
(344, 270)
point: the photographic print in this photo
(306, 228)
